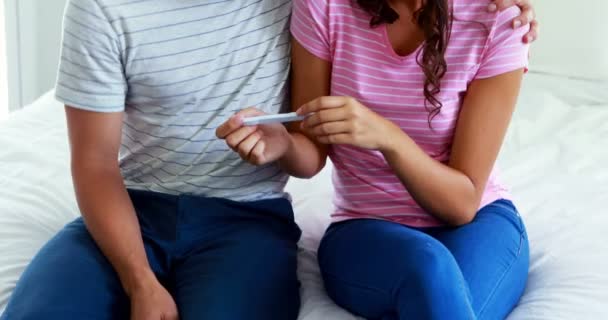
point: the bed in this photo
(555, 158)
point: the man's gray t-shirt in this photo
(178, 69)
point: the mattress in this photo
(555, 158)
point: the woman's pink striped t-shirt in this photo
(365, 66)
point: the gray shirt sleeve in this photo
(91, 75)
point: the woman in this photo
(411, 100)
(422, 92)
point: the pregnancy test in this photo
(273, 118)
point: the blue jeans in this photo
(219, 259)
(383, 270)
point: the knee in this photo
(432, 265)
(433, 286)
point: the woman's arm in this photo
(310, 78)
(108, 211)
(452, 192)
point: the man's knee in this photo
(67, 279)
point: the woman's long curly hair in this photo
(435, 20)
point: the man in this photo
(174, 224)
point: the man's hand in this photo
(257, 145)
(527, 16)
(151, 301)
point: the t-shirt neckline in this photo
(388, 46)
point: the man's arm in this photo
(108, 211)
(101, 193)
(297, 154)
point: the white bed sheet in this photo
(555, 158)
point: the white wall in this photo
(36, 32)
(3, 69)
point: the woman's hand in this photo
(151, 301)
(344, 120)
(527, 16)
(257, 145)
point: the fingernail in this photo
(492, 7)
(516, 24)
(530, 38)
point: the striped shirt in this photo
(366, 67)
(178, 69)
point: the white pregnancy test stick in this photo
(273, 118)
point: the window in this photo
(3, 67)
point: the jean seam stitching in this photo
(502, 277)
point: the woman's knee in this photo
(428, 264)
(412, 277)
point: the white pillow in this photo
(573, 40)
